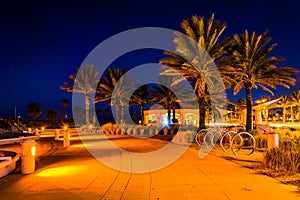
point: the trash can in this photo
(28, 157)
(273, 140)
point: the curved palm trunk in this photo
(201, 103)
(249, 120)
(87, 109)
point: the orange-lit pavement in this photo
(72, 173)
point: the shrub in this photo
(284, 160)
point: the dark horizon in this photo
(44, 42)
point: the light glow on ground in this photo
(61, 171)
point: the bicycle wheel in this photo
(243, 142)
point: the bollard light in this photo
(33, 150)
(28, 157)
(66, 138)
(43, 129)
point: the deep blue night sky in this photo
(43, 42)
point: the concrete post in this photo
(56, 134)
(258, 119)
(66, 138)
(28, 157)
(244, 116)
(134, 130)
(142, 131)
(156, 131)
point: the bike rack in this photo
(212, 136)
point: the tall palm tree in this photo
(64, 102)
(249, 57)
(206, 33)
(107, 91)
(296, 100)
(85, 82)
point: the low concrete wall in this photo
(8, 161)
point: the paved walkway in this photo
(72, 173)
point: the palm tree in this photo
(142, 96)
(107, 91)
(51, 115)
(296, 100)
(34, 110)
(199, 71)
(64, 102)
(166, 97)
(284, 102)
(249, 57)
(85, 82)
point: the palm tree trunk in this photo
(169, 113)
(63, 114)
(283, 114)
(292, 114)
(201, 103)
(87, 109)
(249, 120)
(122, 115)
(117, 117)
(142, 113)
(174, 113)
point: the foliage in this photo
(284, 160)
(51, 115)
(84, 82)
(195, 56)
(114, 88)
(141, 96)
(34, 110)
(249, 56)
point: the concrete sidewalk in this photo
(72, 173)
